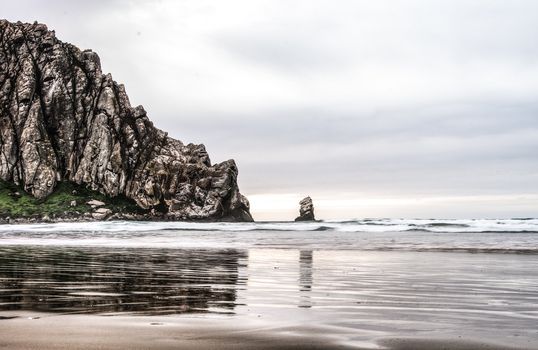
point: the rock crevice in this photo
(62, 119)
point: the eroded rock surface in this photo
(62, 119)
(306, 210)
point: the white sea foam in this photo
(484, 235)
(354, 225)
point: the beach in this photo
(62, 332)
(125, 285)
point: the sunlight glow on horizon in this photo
(285, 206)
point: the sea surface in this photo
(355, 281)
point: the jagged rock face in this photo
(62, 119)
(306, 210)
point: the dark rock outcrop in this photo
(62, 119)
(306, 210)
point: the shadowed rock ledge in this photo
(63, 120)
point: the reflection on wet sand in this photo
(305, 277)
(98, 280)
(355, 296)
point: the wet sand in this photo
(141, 332)
(54, 297)
(33, 331)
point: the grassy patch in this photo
(14, 202)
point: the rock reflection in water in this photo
(99, 280)
(305, 277)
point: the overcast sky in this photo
(374, 108)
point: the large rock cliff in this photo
(62, 119)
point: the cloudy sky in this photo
(374, 108)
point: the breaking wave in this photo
(511, 236)
(524, 225)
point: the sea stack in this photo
(306, 210)
(63, 120)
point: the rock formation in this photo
(306, 210)
(62, 119)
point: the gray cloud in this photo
(333, 98)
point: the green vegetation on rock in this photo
(68, 200)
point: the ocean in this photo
(479, 235)
(356, 282)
